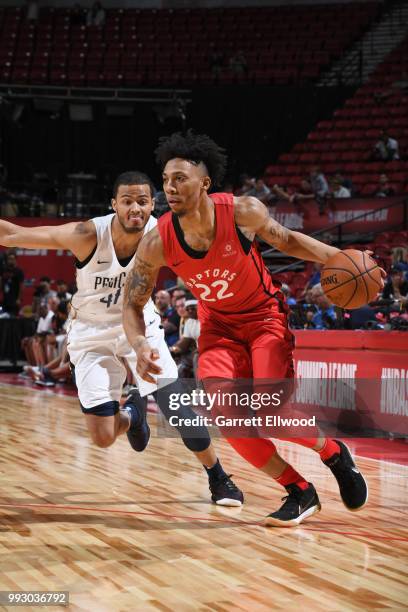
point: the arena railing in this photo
(339, 236)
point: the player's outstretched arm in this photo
(253, 216)
(138, 289)
(78, 237)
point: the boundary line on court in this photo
(231, 521)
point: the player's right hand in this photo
(146, 366)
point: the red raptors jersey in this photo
(229, 278)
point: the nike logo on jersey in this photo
(177, 263)
(102, 262)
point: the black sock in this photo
(215, 472)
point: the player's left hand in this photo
(146, 366)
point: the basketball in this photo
(351, 279)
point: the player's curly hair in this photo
(195, 148)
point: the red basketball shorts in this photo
(250, 345)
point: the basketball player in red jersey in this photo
(207, 240)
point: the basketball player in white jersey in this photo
(104, 248)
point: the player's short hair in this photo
(133, 177)
(194, 148)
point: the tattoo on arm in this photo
(278, 232)
(275, 234)
(139, 284)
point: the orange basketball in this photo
(351, 279)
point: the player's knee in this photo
(102, 430)
(197, 445)
(102, 438)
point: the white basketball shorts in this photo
(98, 351)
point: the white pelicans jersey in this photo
(101, 279)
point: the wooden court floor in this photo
(128, 532)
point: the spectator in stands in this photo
(176, 293)
(345, 182)
(281, 193)
(325, 317)
(396, 287)
(33, 10)
(238, 63)
(307, 298)
(96, 15)
(246, 184)
(180, 306)
(309, 322)
(303, 193)
(320, 187)
(386, 149)
(56, 338)
(11, 282)
(260, 191)
(361, 318)
(52, 303)
(44, 325)
(42, 294)
(186, 346)
(384, 188)
(170, 318)
(400, 258)
(35, 347)
(62, 291)
(57, 370)
(338, 190)
(288, 295)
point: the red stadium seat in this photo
(369, 189)
(290, 46)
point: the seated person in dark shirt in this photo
(359, 318)
(170, 318)
(11, 280)
(384, 188)
(396, 287)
